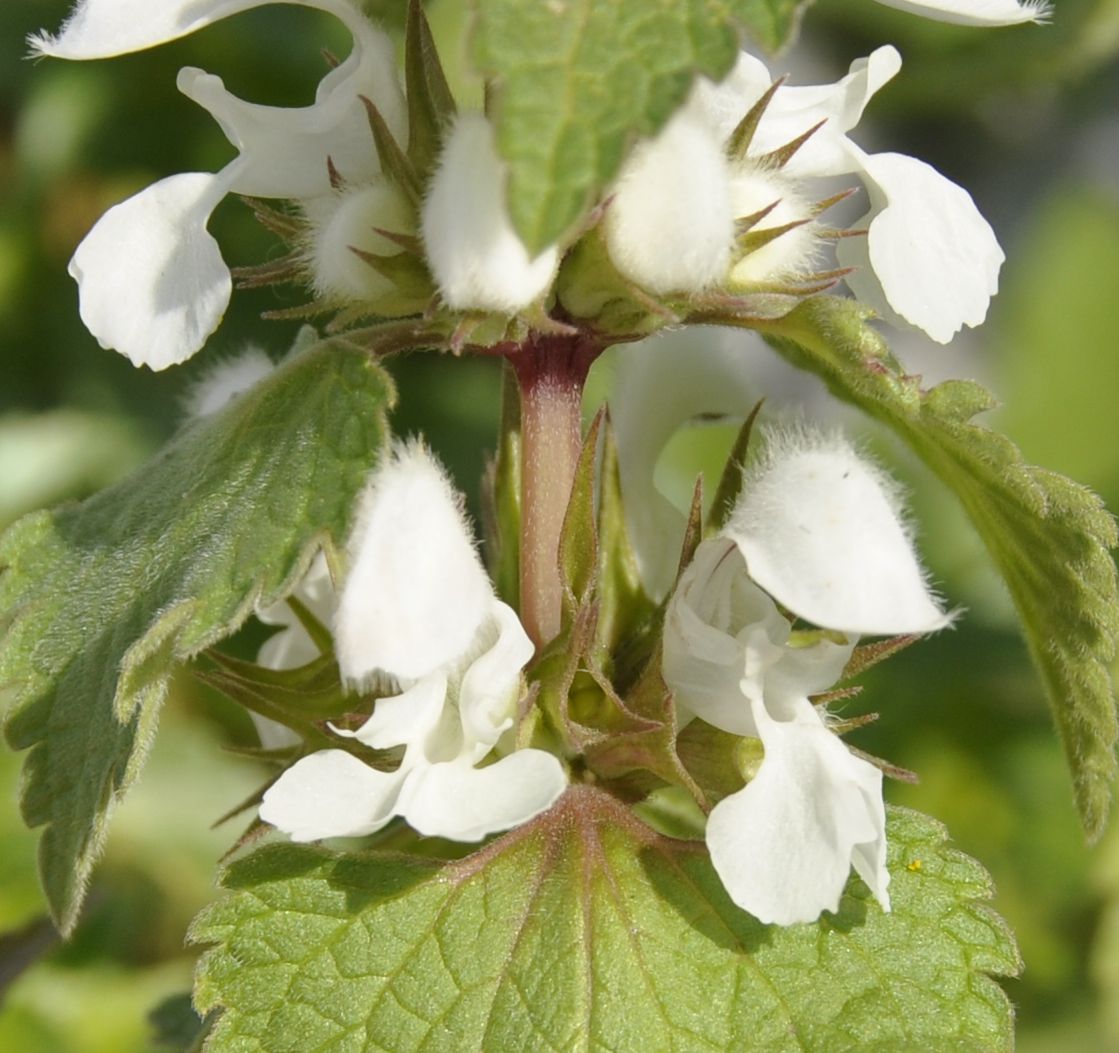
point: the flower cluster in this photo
(765, 617)
(417, 606)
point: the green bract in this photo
(104, 597)
(584, 930)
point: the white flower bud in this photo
(473, 251)
(670, 225)
(226, 379)
(348, 220)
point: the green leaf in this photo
(575, 82)
(585, 930)
(1049, 537)
(104, 597)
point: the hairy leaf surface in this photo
(104, 597)
(586, 931)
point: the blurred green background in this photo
(1027, 119)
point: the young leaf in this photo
(1049, 537)
(575, 81)
(585, 930)
(104, 597)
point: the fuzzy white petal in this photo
(348, 220)
(477, 258)
(670, 225)
(152, 283)
(822, 533)
(933, 259)
(416, 592)
(784, 845)
(975, 12)
(464, 803)
(331, 794)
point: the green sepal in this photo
(431, 106)
(734, 474)
(395, 163)
(102, 599)
(1049, 537)
(596, 934)
(625, 611)
(502, 496)
(578, 542)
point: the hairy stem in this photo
(550, 373)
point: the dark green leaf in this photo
(586, 931)
(104, 597)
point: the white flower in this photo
(784, 844)
(929, 259)
(975, 12)
(417, 605)
(151, 278)
(478, 261)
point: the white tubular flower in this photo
(670, 225)
(151, 279)
(417, 605)
(929, 259)
(975, 12)
(784, 845)
(819, 528)
(478, 261)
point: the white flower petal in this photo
(225, 380)
(975, 12)
(784, 845)
(795, 109)
(487, 694)
(416, 592)
(477, 258)
(104, 28)
(349, 220)
(331, 794)
(285, 148)
(272, 734)
(821, 532)
(933, 259)
(407, 719)
(661, 383)
(464, 803)
(152, 283)
(670, 225)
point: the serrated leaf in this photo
(1049, 537)
(104, 597)
(586, 931)
(575, 82)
